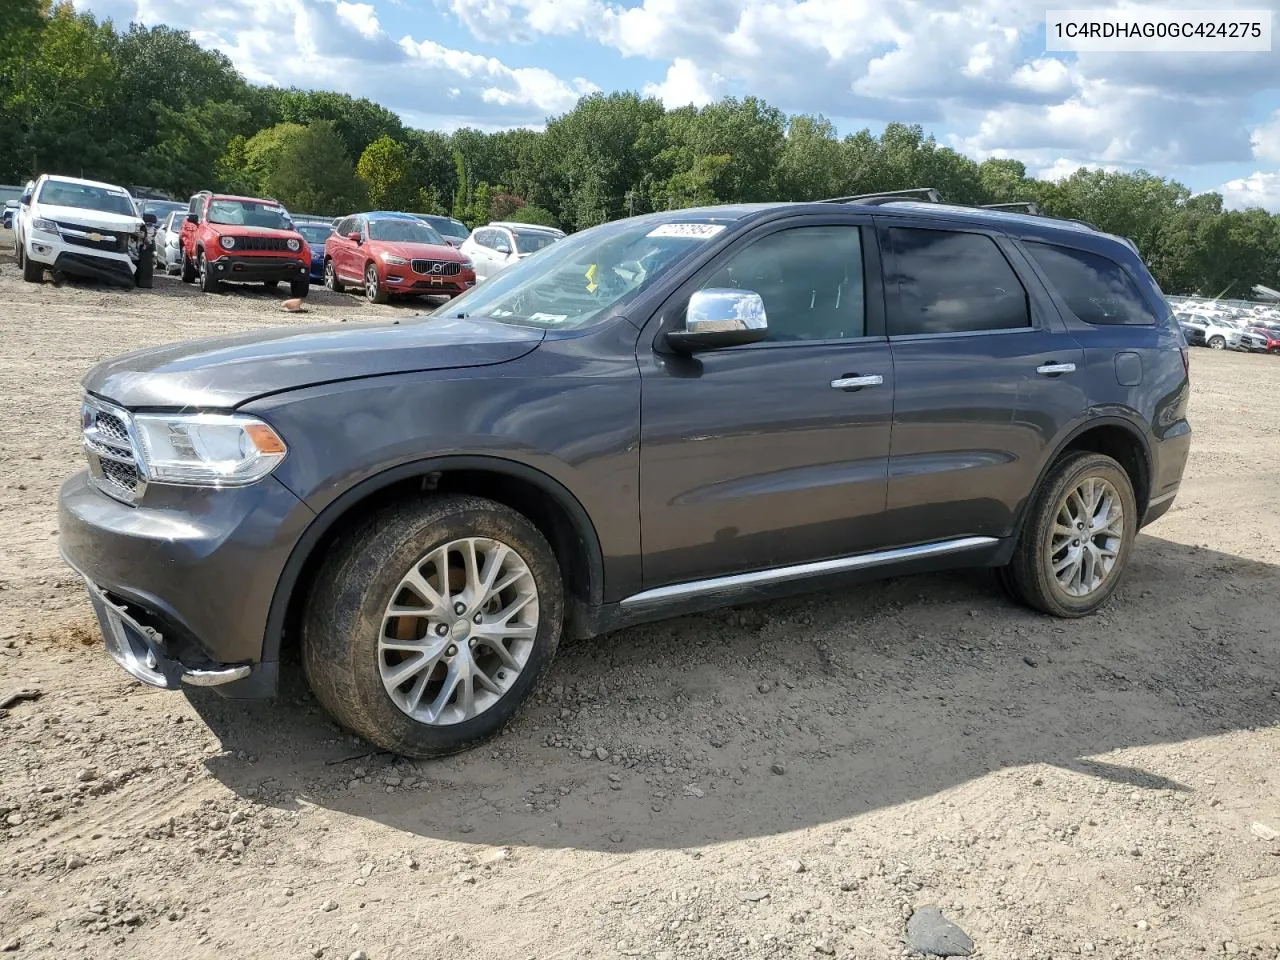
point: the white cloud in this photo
(1064, 167)
(1256, 190)
(686, 84)
(361, 17)
(1266, 140)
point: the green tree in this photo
(530, 213)
(357, 122)
(385, 169)
(191, 144)
(809, 166)
(305, 168)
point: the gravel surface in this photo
(792, 779)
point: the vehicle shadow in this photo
(773, 717)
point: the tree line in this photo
(148, 107)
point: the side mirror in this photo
(720, 317)
(193, 218)
(354, 236)
(149, 218)
(25, 199)
(503, 247)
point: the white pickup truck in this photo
(83, 227)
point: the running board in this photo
(801, 571)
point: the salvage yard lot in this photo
(788, 779)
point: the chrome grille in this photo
(109, 448)
(437, 268)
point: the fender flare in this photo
(1072, 433)
(337, 508)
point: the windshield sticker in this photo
(690, 231)
(592, 284)
(549, 317)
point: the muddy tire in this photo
(32, 272)
(399, 631)
(1077, 539)
(208, 282)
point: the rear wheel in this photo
(1076, 541)
(208, 282)
(1217, 343)
(431, 624)
(270, 284)
(374, 291)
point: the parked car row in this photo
(1218, 333)
(101, 230)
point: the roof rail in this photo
(1027, 206)
(930, 195)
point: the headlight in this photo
(392, 258)
(228, 243)
(467, 264)
(207, 449)
(44, 226)
(294, 245)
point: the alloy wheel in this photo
(458, 631)
(1087, 535)
(371, 283)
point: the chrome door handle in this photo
(1053, 369)
(857, 383)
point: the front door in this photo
(987, 377)
(774, 453)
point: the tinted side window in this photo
(342, 228)
(810, 279)
(1096, 289)
(482, 238)
(194, 206)
(951, 282)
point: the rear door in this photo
(775, 453)
(187, 232)
(483, 255)
(987, 375)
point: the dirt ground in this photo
(781, 780)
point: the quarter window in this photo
(810, 279)
(1096, 289)
(952, 282)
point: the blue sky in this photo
(974, 73)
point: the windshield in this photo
(450, 228)
(249, 213)
(102, 199)
(530, 241)
(403, 231)
(579, 279)
(161, 208)
(314, 233)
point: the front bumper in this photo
(240, 269)
(405, 280)
(183, 581)
(99, 268)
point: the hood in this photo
(225, 372)
(90, 218)
(417, 251)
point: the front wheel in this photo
(374, 291)
(32, 271)
(208, 282)
(331, 277)
(1217, 343)
(1275, 351)
(299, 288)
(144, 276)
(1076, 541)
(431, 624)
(188, 269)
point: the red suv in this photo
(242, 240)
(1272, 333)
(393, 253)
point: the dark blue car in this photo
(315, 232)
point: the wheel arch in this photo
(552, 508)
(1113, 435)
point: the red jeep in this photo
(242, 240)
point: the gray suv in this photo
(659, 415)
